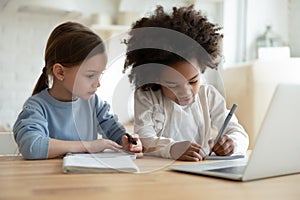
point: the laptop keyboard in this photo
(230, 170)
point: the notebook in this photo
(103, 162)
(277, 141)
(213, 156)
(231, 157)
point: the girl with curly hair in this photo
(174, 110)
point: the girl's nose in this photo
(96, 84)
(185, 90)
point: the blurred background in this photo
(260, 48)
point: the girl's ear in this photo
(58, 71)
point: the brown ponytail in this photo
(69, 44)
(42, 83)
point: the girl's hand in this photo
(99, 145)
(223, 147)
(137, 149)
(187, 151)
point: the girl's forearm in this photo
(58, 148)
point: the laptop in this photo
(277, 147)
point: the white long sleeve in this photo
(160, 124)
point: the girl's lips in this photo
(185, 101)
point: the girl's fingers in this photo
(125, 140)
(187, 151)
(188, 158)
(202, 153)
(136, 148)
(195, 145)
(195, 155)
(224, 146)
(199, 151)
(196, 149)
(229, 151)
(127, 146)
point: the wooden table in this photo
(43, 179)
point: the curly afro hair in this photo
(166, 39)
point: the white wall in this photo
(234, 23)
(22, 44)
(294, 27)
(23, 38)
(245, 20)
(261, 13)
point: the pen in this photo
(233, 108)
(130, 139)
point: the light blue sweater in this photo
(44, 117)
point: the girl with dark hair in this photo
(66, 115)
(175, 111)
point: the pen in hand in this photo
(233, 108)
(130, 139)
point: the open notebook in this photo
(103, 162)
(276, 149)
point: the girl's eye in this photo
(94, 76)
(193, 82)
(90, 76)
